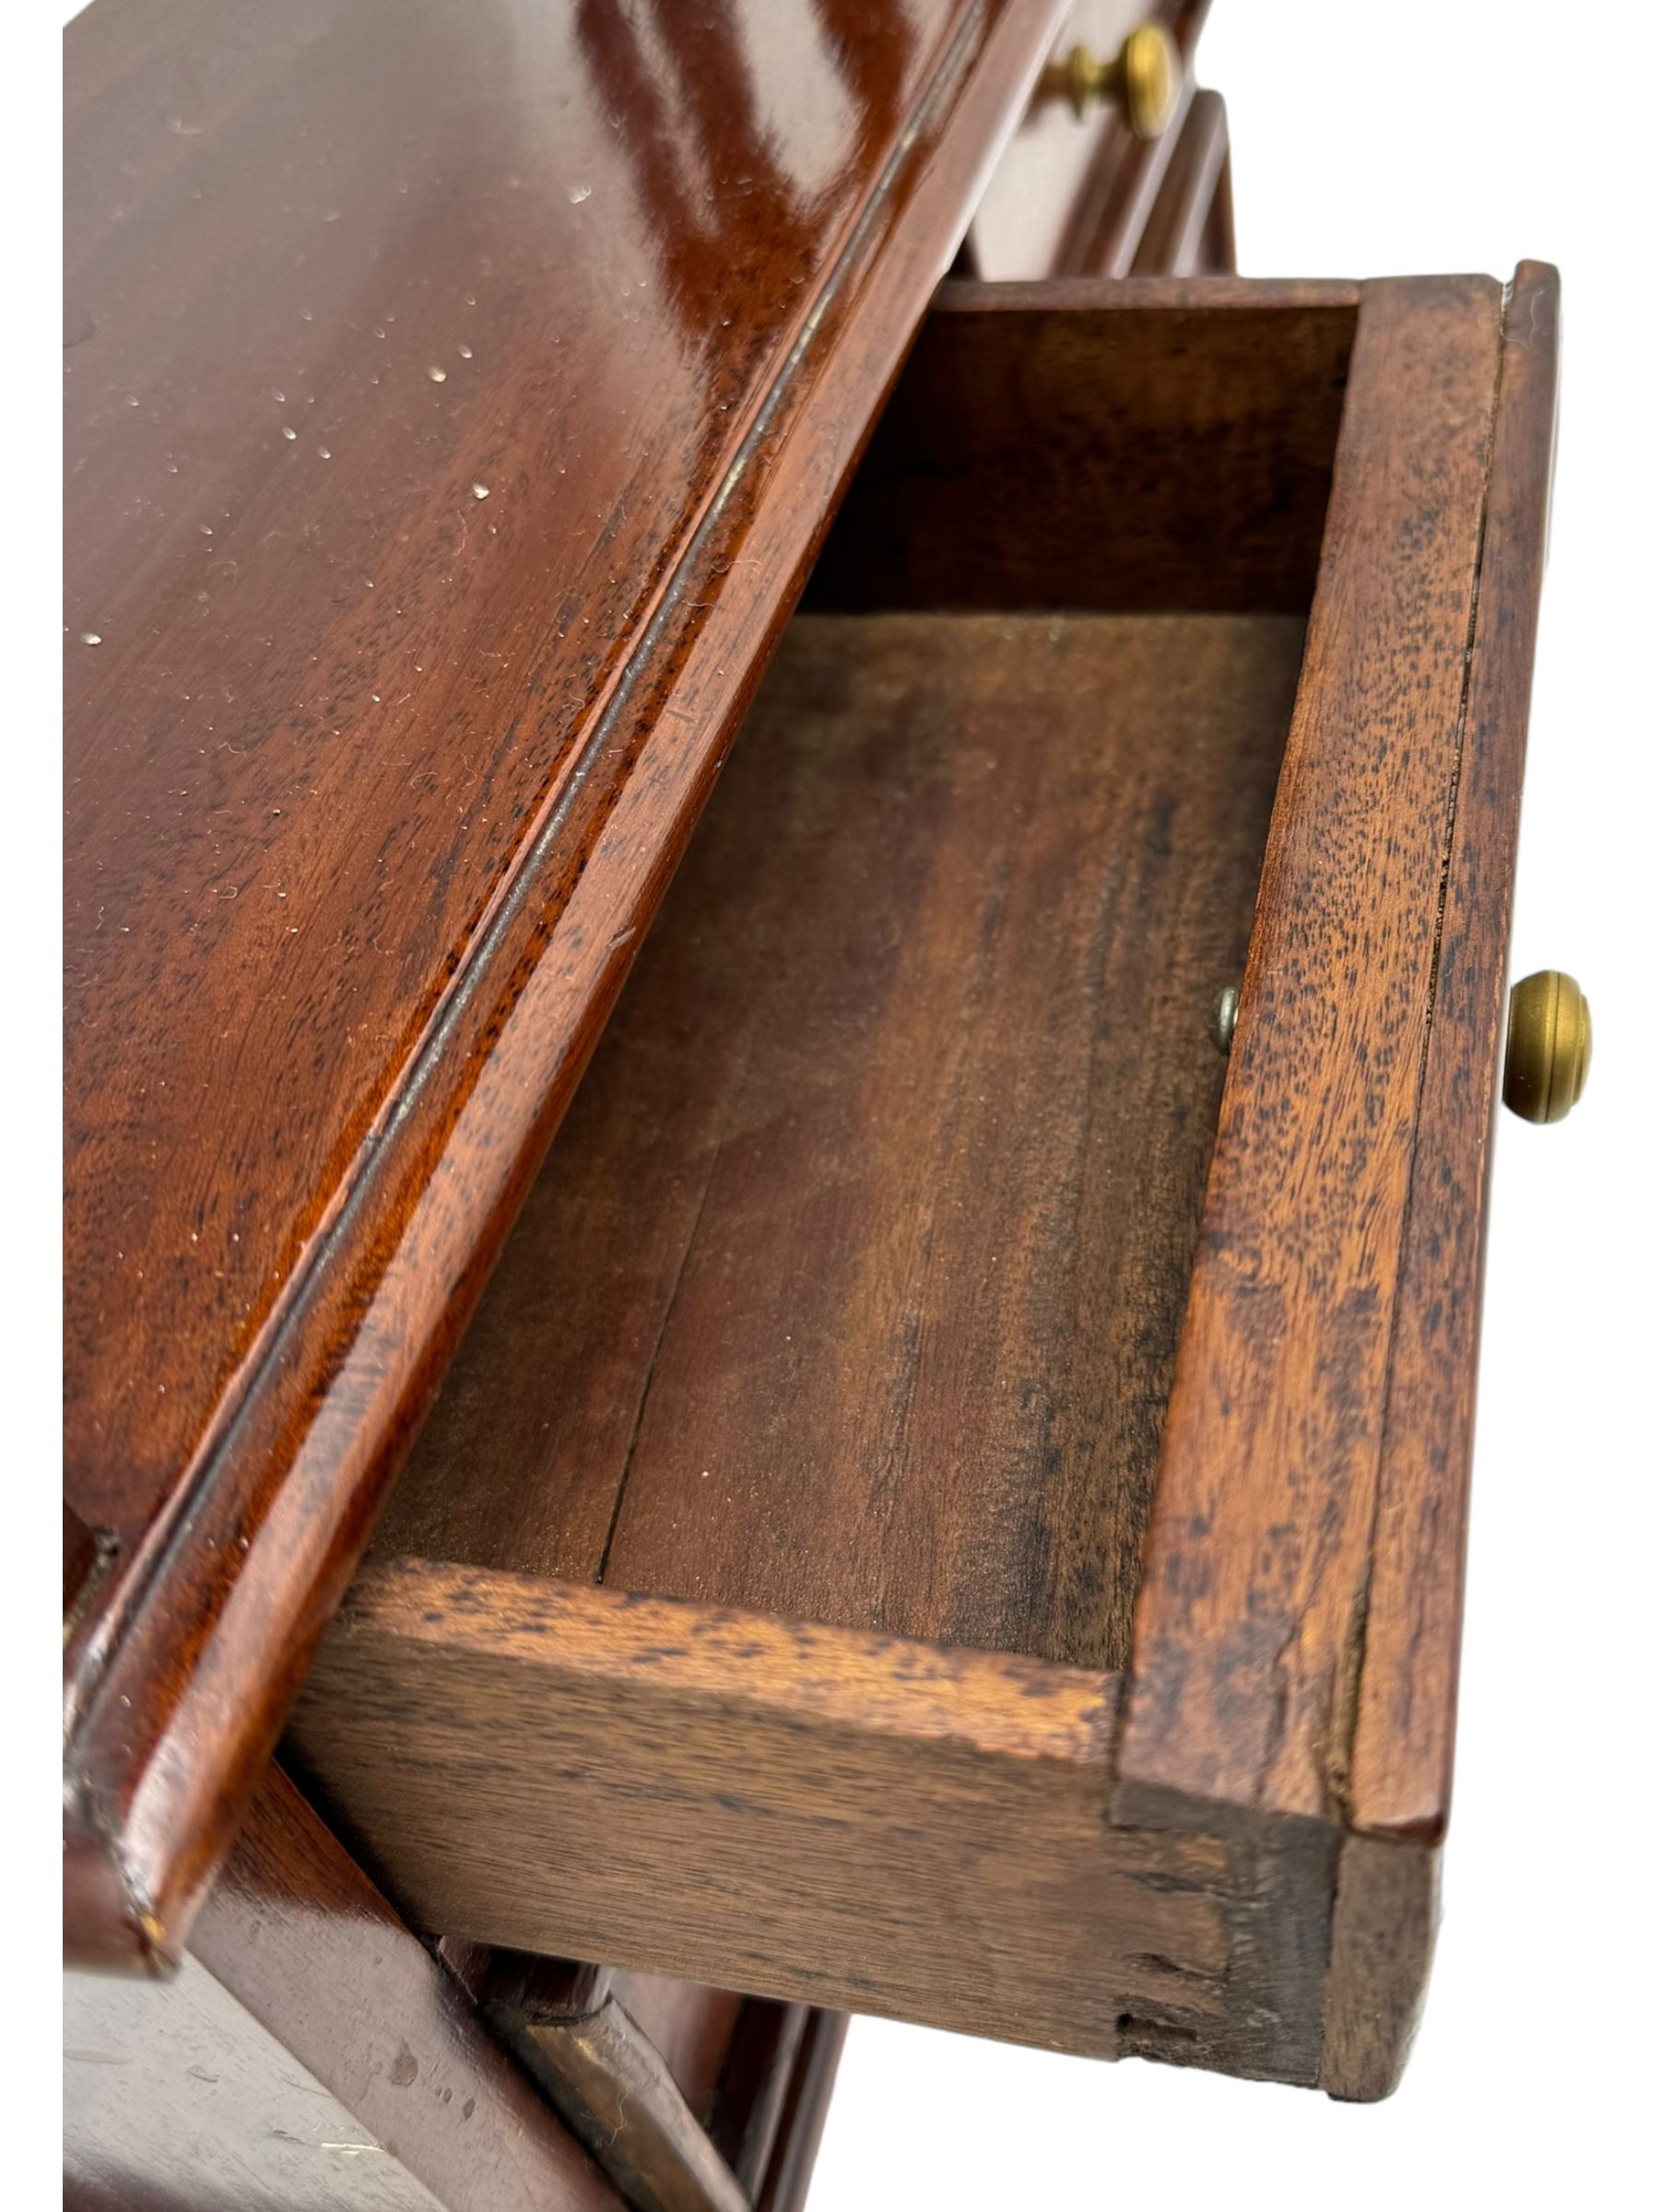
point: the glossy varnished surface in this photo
(334, 684)
(454, 393)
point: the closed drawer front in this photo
(952, 1503)
(1089, 182)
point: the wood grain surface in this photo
(1399, 1763)
(1258, 1560)
(456, 396)
(1142, 446)
(850, 1291)
(1400, 1770)
(310, 2056)
(811, 1814)
(1289, 1711)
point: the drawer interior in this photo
(915, 1293)
(851, 1288)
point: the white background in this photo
(1390, 140)
(1373, 139)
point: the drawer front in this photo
(1075, 190)
(955, 1496)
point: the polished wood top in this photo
(456, 394)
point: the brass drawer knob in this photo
(1547, 1055)
(1143, 77)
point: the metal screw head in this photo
(1224, 1015)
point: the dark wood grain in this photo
(850, 1290)
(395, 727)
(1253, 1612)
(1183, 236)
(1148, 445)
(1383, 1930)
(309, 2054)
(254, 591)
(1385, 1917)
(84, 1549)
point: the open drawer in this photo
(952, 1503)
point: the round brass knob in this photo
(1547, 1055)
(1143, 77)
